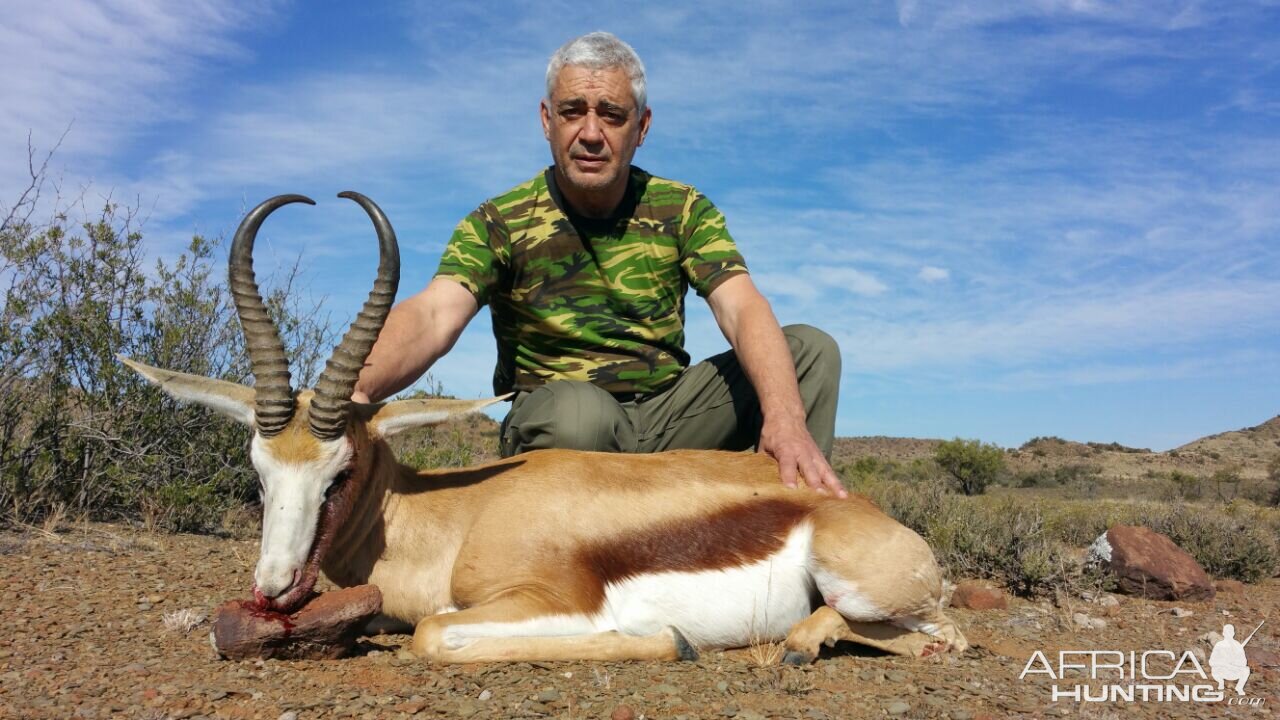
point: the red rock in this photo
(1229, 586)
(1150, 565)
(326, 627)
(972, 595)
(623, 712)
(1265, 658)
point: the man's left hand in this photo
(790, 444)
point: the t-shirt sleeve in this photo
(708, 256)
(470, 258)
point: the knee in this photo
(570, 415)
(808, 343)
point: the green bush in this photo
(972, 464)
(1031, 545)
(82, 435)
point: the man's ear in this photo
(225, 398)
(393, 417)
(544, 112)
(645, 118)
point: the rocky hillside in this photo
(1247, 451)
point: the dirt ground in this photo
(94, 628)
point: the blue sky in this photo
(1018, 219)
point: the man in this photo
(585, 269)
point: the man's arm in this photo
(419, 331)
(748, 323)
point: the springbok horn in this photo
(333, 390)
(273, 397)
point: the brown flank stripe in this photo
(732, 537)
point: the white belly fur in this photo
(719, 608)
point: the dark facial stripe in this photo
(732, 537)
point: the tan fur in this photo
(528, 537)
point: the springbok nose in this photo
(274, 577)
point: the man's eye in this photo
(572, 114)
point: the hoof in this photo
(934, 648)
(794, 657)
(684, 649)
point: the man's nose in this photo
(591, 129)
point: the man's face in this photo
(594, 129)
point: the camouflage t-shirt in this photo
(600, 301)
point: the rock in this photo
(326, 627)
(485, 695)
(972, 595)
(1229, 586)
(1263, 657)
(548, 695)
(1085, 622)
(288, 715)
(1150, 565)
(1181, 612)
(1210, 638)
(623, 712)
(897, 707)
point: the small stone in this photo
(972, 595)
(412, 706)
(729, 711)
(1086, 622)
(623, 712)
(466, 708)
(288, 715)
(897, 707)
(144, 606)
(548, 695)
(485, 694)
(666, 689)
(1181, 612)
(960, 714)
(896, 676)
(722, 686)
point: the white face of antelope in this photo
(296, 482)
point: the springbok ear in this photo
(225, 398)
(404, 414)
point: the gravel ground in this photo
(105, 621)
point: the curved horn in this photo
(333, 390)
(273, 397)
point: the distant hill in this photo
(1248, 449)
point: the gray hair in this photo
(598, 51)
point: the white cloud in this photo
(107, 70)
(931, 274)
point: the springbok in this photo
(554, 554)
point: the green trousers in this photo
(711, 405)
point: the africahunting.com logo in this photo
(1113, 676)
